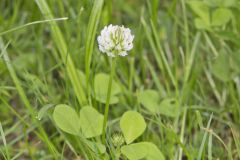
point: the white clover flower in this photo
(115, 40)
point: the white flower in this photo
(115, 40)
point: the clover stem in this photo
(108, 100)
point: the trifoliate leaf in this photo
(150, 99)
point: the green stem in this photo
(108, 100)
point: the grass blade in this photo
(204, 139)
(210, 147)
(32, 23)
(4, 141)
(63, 50)
(24, 98)
(91, 34)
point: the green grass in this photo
(49, 56)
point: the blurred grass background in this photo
(197, 66)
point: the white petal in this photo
(123, 53)
(110, 54)
(101, 48)
(128, 47)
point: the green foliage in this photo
(221, 67)
(235, 59)
(182, 72)
(101, 87)
(132, 125)
(82, 77)
(91, 34)
(221, 16)
(2, 67)
(200, 24)
(169, 107)
(142, 150)
(25, 61)
(151, 100)
(229, 36)
(220, 3)
(66, 119)
(96, 147)
(43, 110)
(208, 15)
(63, 50)
(202, 10)
(135, 151)
(91, 122)
(199, 119)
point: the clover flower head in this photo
(115, 40)
(117, 139)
